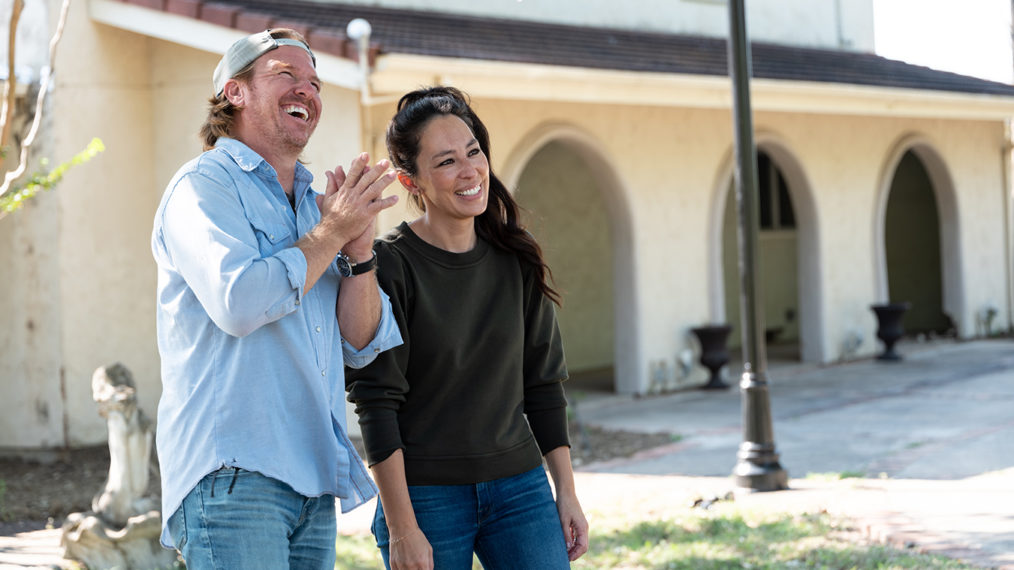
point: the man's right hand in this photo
(348, 209)
(351, 202)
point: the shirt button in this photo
(376, 350)
(271, 237)
(318, 329)
(323, 372)
(297, 301)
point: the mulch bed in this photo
(36, 494)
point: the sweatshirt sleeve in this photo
(545, 369)
(378, 389)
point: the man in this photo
(256, 276)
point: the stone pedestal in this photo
(122, 529)
(90, 539)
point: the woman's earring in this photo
(407, 182)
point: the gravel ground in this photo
(35, 494)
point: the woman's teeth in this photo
(470, 191)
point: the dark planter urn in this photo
(889, 327)
(714, 354)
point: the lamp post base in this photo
(760, 477)
(757, 467)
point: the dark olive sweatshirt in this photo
(475, 392)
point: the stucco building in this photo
(879, 180)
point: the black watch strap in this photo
(364, 266)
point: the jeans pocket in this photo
(178, 528)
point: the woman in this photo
(456, 421)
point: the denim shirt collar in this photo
(247, 159)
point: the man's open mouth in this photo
(297, 111)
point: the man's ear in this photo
(234, 92)
(408, 183)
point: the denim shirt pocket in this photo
(272, 236)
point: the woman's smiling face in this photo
(452, 173)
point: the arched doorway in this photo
(915, 176)
(912, 252)
(566, 212)
(778, 262)
(789, 254)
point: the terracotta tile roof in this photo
(457, 36)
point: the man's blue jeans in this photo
(508, 523)
(236, 518)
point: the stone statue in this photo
(122, 530)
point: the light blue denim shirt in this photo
(252, 372)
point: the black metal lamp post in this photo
(757, 467)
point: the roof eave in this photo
(397, 73)
(204, 36)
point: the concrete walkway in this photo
(931, 439)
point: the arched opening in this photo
(789, 255)
(583, 223)
(917, 240)
(912, 248)
(778, 263)
(567, 214)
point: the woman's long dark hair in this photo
(499, 224)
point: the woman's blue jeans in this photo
(508, 523)
(236, 518)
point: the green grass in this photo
(358, 552)
(723, 537)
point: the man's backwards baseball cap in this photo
(245, 51)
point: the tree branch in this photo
(10, 87)
(13, 175)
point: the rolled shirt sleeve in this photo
(387, 336)
(227, 254)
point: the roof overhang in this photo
(201, 35)
(395, 74)
(398, 73)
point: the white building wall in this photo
(980, 206)
(104, 211)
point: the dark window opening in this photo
(775, 204)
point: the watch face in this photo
(344, 268)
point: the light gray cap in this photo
(245, 50)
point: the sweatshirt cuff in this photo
(550, 428)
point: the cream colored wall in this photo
(105, 279)
(180, 88)
(975, 168)
(31, 410)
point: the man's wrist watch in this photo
(349, 268)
